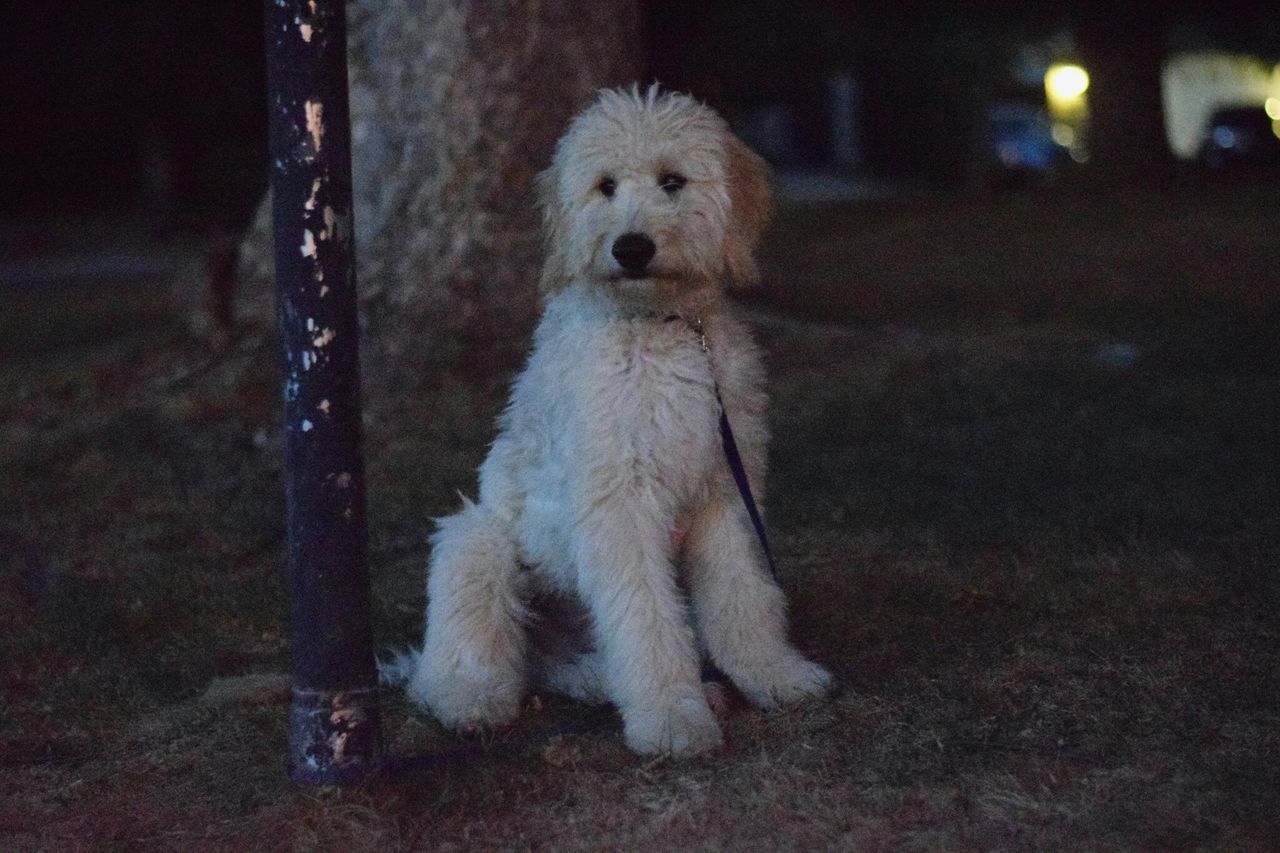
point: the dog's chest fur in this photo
(642, 409)
(607, 408)
(653, 395)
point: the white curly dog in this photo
(610, 548)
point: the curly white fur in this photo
(609, 547)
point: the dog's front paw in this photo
(477, 699)
(686, 727)
(787, 681)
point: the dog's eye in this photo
(672, 182)
(606, 187)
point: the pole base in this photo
(333, 736)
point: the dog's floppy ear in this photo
(555, 274)
(751, 205)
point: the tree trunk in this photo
(1123, 48)
(455, 107)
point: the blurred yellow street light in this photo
(1066, 82)
(1064, 87)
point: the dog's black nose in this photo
(633, 252)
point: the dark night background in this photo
(159, 104)
(1024, 364)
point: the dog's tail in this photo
(396, 671)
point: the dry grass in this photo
(1047, 580)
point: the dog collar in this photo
(694, 324)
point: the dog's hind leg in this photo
(472, 671)
(741, 612)
(579, 677)
(565, 661)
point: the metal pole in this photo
(334, 722)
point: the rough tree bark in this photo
(455, 107)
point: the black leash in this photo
(731, 454)
(744, 488)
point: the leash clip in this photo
(696, 325)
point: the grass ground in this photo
(1024, 493)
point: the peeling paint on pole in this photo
(334, 724)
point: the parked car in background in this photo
(1240, 136)
(1021, 145)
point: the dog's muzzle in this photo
(633, 252)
